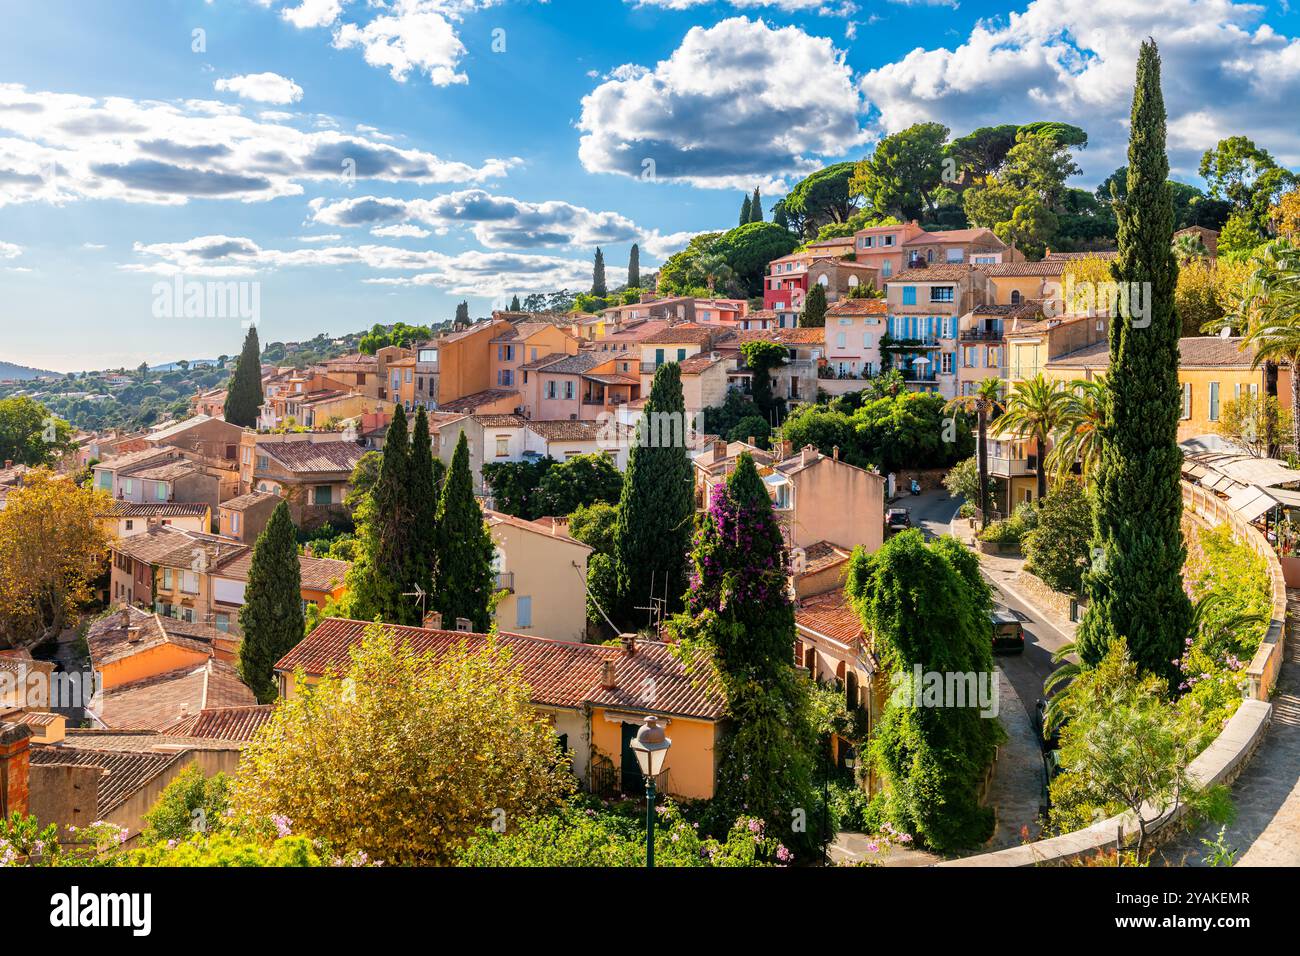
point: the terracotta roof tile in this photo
(469, 403)
(566, 430)
(159, 701)
(830, 615)
(167, 509)
(223, 723)
(847, 307)
(558, 673)
(124, 773)
(309, 457)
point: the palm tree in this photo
(1189, 247)
(987, 397)
(1268, 308)
(1078, 434)
(1033, 410)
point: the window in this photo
(263, 461)
(681, 355)
(523, 611)
(322, 495)
(506, 353)
(1214, 401)
(888, 240)
(823, 280)
(397, 381)
(929, 255)
(505, 376)
(887, 268)
(941, 293)
(130, 525)
(568, 389)
(867, 241)
(222, 622)
(128, 486)
(853, 282)
(659, 357)
(1187, 400)
(1015, 297)
(247, 455)
(946, 367)
(841, 340)
(956, 255)
(190, 582)
(234, 522)
(105, 480)
(503, 446)
(909, 295)
(160, 490)
(550, 389)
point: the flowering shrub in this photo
(577, 836)
(23, 842)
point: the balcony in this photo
(505, 581)
(981, 335)
(1000, 467)
(929, 342)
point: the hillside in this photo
(10, 371)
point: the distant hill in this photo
(8, 370)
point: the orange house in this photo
(595, 696)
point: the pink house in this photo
(853, 331)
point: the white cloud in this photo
(313, 13)
(1073, 60)
(413, 35)
(10, 251)
(498, 222)
(263, 87)
(62, 147)
(324, 237)
(475, 273)
(736, 105)
(404, 231)
(845, 8)
(93, 246)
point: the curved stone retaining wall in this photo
(1220, 762)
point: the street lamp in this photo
(651, 748)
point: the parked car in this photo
(898, 518)
(1051, 767)
(1008, 632)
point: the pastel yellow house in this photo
(595, 696)
(542, 576)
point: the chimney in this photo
(125, 615)
(15, 759)
(464, 625)
(629, 642)
(608, 674)
(787, 449)
(835, 452)
(750, 441)
(9, 463)
(719, 450)
(808, 454)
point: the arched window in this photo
(823, 280)
(853, 282)
(1015, 297)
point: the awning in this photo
(1251, 502)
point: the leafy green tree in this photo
(761, 357)
(963, 481)
(594, 525)
(1081, 416)
(598, 287)
(244, 394)
(190, 803)
(464, 582)
(744, 210)
(780, 216)
(721, 419)
(748, 249)
(741, 610)
(657, 505)
(271, 619)
(755, 428)
(581, 480)
(405, 756)
(817, 200)
(1057, 548)
(1269, 310)
(927, 607)
(1256, 424)
(29, 434)
(756, 207)
(981, 153)
(900, 177)
(1135, 589)
(1250, 180)
(516, 486)
(814, 308)
(634, 267)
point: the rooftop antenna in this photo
(656, 606)
(419, 594)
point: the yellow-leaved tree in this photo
(51, 549)
(402, 755)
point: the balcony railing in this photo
(981, 335)
(505, 581)
(1012, 467)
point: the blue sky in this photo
(495, 143)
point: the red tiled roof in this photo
(314, 457)
(168, 509)
(244, 502)
(830, 615)
(124, 773)
(318, 574)
(223, 723)
(949, 235)
(944, 272)
(858, 307)
(558, 673)
(108, 641)
(469, 403)
(796, 336)
(691, 332)
(160, 701)
(566, 430)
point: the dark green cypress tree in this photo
(464, 581)
(744, 211)
(386, 535)
(780, 216)
(271, 619)
(514, 304)
(425, 479)
(656, 509)
(634, 267)
(244, 393)
(462, 313)
(756, 207)
(1134, 586)
(814, 308)
(598, 287)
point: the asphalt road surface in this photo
(932, 512)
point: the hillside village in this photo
(667, 520)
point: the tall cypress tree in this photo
(814, 308)
(744, 211)
(634, 267)
(656, 508)
(244, 393)
(464, 581)
(380, 574)
(780, 216)
(739, 573)
(514, 304)
(271, 619)
(425, 479)
(756, 207)
(1135, 584)
(462, 313)
(598, 275)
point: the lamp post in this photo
(651, 748)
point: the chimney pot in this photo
(835, 452)
(433, 620)
(750, 440)
(787, 449)
(629, 642)
(719, 449)
(608, 675)
(125, 615)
